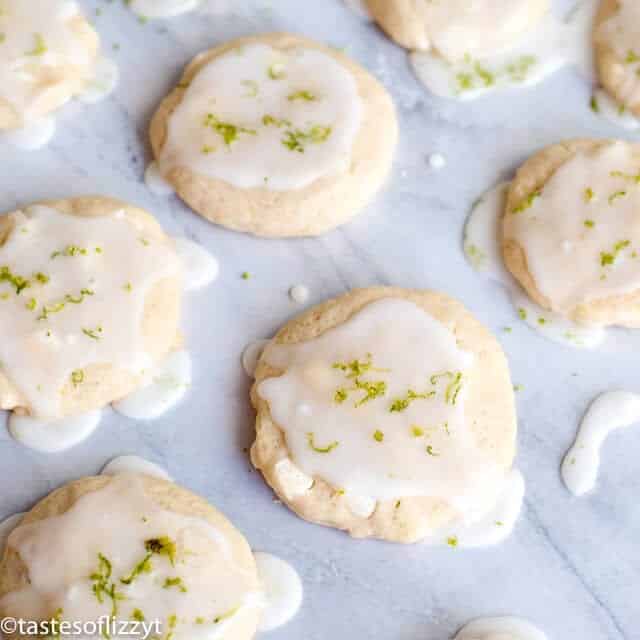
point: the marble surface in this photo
(572, 565)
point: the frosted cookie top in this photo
(73, 291)
(260, 117)
(377, 408)
(121, 550)
(478, 28)
(47, 55)
(620, 33)
(580, 232)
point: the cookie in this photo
(617, 52)
(376, 414)
(48, 55)
(134, 547)
(90, 296)
(456, 29)
(571, 231)
(275, 135)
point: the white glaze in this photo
(103, 83)
(201, 268)
(39, 40)
(156, 183)
(299, 293)
(492, 528)
(243, 87)
(481, 235)
(134, 464)
(622, 33)
(606, 107)
(42, 350)
(282, 590)
(6, 527)
(608, 412)
(361, 506)
(35, 135)
(164, 387)
(518, 57)
(251, 355)
(163, 8)
(53, 436)
(505, 628)
(116, 521)
(441, 462)
(437, 161)
(552, 229)
(554, 326)
(484, 253)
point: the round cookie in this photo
(167, 507)
(306, 165)
(101, 381)
(617, 53)
(589, 221)
(34, 34)
(454, 28)
(486, 434)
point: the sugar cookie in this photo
(90, 296)
(571, 231)
(617, 51)
(275, 135)
(127, 549)
(458, 28)
(375, 414)
(49, 54)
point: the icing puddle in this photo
(545, 48)
(609, 412)
(504, 628)
(282, 591)
(482, 250)
(494, 527)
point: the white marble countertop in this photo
(572, 565)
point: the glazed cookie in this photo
(375, 414)
(617, 51)
(571, 231)
(90, 294)
(456, 29)
(275, 135)
(135, 549)
(48, 55)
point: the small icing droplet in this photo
(361, 506)
(134, 464)
(201, 268)
(282, 589)
(156, 183)
(437, 161)
(251, 355)
(507, 628)
(299, 293)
